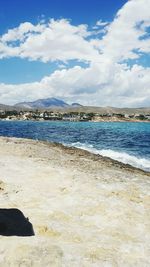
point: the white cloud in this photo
(56, 40)
(118, 86)
(60, 40)
(101, 23)
(107, 80)
(23, 31)
(123, 34)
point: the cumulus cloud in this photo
(109, 79)
(124, 35)
(52, 41)
(118, 86)
(22, 32)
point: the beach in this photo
(86, 210)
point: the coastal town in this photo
(74, 116)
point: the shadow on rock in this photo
(13, 222)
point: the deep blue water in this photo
(126, 142)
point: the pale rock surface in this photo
(86, 210)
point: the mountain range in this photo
(56, 104)
(46, 103)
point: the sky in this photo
(94, 52)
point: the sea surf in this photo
(126, 142)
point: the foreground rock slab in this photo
(86, 210)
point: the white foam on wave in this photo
(123, 157)
(141, 163)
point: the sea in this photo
(127, 142)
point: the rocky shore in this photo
(86, 210)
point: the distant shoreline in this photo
(93, 121)
(81, 114)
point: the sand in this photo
(86, 210)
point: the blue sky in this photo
(79, 11)
(93, 52)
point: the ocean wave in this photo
(141, 163)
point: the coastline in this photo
(102, 120)
(86, 210)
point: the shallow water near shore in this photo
(126, 142)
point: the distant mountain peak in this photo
(43, 103)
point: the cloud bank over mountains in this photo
(113, 73)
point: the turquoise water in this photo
(126, 142)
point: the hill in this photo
(43, 103)
(55, 104)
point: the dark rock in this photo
(13, 222)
